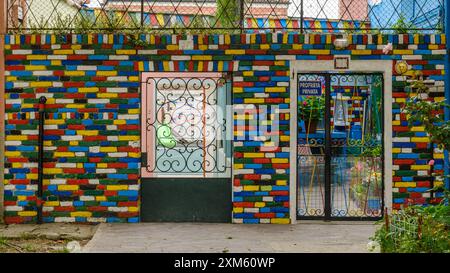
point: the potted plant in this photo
(311, 110)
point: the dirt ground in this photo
(45, 238)
(35, 245)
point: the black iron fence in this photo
(394, 16)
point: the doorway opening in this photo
(186, 152)
(340, 146)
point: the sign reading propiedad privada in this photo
(310, 88)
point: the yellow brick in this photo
(238, 210)
(248, 73)
(56, 62)
(35, 67)
(405, 185)
(201, 58)
(396, 150)
(133, 209)
(238, 166)
(133, 79)
(403, 52)
(51, 203)
(362, 52)
(68, 187)
(41, 84)
(88, 89)
(280, 160)
(420, 167)
(297, 46)
(32, 176)
(129, 138)
(108, 149)
(107, 95)
(76, 47)
(396, 122)
(16, 165)
(63, 154)
(134, 155)
(266, 188)
(73, 143)
(81, 214)
(52, 171)
(265, 46)
(21, 198)
(125, 52)
(36, 57)
(106, 73)
(63, 52)
(116, 187)
(87, 132)
(134, 111)
(55, 121)
(253, 100)
(16, 137)
(438, 156)
(235, 52)
(74, 73)
(275, 89)
(433, 47)
(253, 155)
(280, 221)
(281, 182)
(420, 139)
(251, 188)
(100, 198)
(11, 79)
(284, 138)
(418, 129)
(172, 47)
(75, 105)
(260, 204)
(12, 154)
(319, 52)
(102, 165)
(119, 122)
(27, 213)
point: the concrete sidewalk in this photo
(307, 237)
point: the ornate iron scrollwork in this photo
(188, 125)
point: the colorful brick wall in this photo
(92, 137)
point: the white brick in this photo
(70, 138)
(87, 198)
(13, 208)
(106, 171)
(64, 219)
(118, 154)
(118, 209)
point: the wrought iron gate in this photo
(186, 158)
(340, 146)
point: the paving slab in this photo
(305, 237)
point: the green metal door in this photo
(186, 200)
